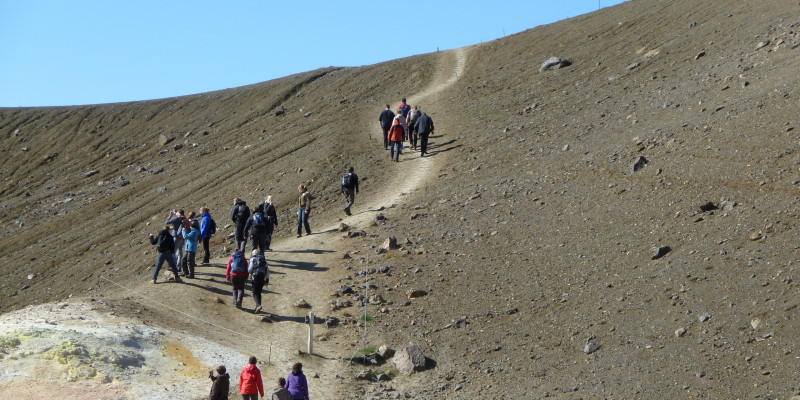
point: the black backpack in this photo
(347, 181)
(260, 267)
(165, 243)
(213, 228)
(243, 213)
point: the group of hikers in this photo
(293, 387)
(409, 123)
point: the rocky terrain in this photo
(619, 227)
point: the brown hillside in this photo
(531, 225)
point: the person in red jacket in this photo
(396, 136)
(250, 384)
(237, 275)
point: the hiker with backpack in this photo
(259, 273)
(305, 210)
(385, 121)
(411, 121)
(239, 215)
(208, 227)
(237, 274)
(424, 126)
(178, 221)
(257, 227)
(190, 237)
(349, 189)
(396, 137)
(166, 247)
(272, 216)
(403, 108)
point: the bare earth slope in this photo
(527, 221)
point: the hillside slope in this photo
(533, 228)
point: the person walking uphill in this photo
(221, 384)
(236, 274)
(385, 121)
(268, 209)
(166, 248)
(239, 216)
(304, 212)
(297, 384)
(349, 189)
(425, 127)
(257, 227)
(396, 135)
(411, 121)
(250, 384)
(259, 272)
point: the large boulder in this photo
(554, 63)
(409, 359)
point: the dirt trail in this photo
(301, 268)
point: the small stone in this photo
(344, 227)
(680, 332)
(164, 139)
(756, 236)
(415, 293)
(638, 164)
(708, 206)
(390, 244)
(385, 351)
(91, 173)
(302, 304)
(591, 347)
(306, 115)
(554, 63)
(219, 300)
(161, 189)
(512, 311)
(659, 252)
(704, 317)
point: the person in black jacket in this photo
(349, 189)
(257, 228)
(385, 120)
(268, 209)
(166, 248)
(239, 215)
(221, 384)
(425, 127)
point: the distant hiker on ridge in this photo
(349, 189)
(425, 127)
(239, 216)
(166, 248)
(385, 121)
(304, 211)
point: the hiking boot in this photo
(191, 276)
(299, 235)
(178, 279)
(347, 211)
(257, 310)
(153, 281)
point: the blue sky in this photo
(69, 52)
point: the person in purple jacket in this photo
(296, 383)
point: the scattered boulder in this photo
(390, 244)
(414, 293)
(680, 332)
(591, 347)
(727, 205)
(161, 189)
(660, 251)
(164, 139)
(302, 304)
(91, 173)
(638, 164)
(344, 227)
(708, 206)
(365, 375)
(554, 63)
(385, 351)
(306, 115)
(280, 111)
(409, 359)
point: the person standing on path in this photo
(166, 248)
(191, 238)
(411, 121)
(256, 228)
(396, 136)
(304, 212)
(207, 225)
(296, 383)
(250, 383)
(178, 221)
(259, 272)
(221, 384)
(268, 209)
(239, 216)
(349, 189)
(236, 274)
(385, 121)
(280, 392)
(425, 127)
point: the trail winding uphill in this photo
(182, 331)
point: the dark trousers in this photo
(170, 259)
(258, 284)
(253, 396)
(238, 281)
(188, 263)
(259, 242)
(412, 138)
(241, 242)
(385, 137)
(302, 221)
(350, 195)
(423, 143)
(207, 255)
(270, 229)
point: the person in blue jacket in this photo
(191, 238)
(206, 223)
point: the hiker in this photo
(221, 384)
(296, 383)
(385, 121)
(411, 121)
(250, 384)
(396, 136)
(239, 216)
(256, 228)
(268, 209)
(192, 217)
(280, 392)
(191, 238)
(178, 221)
(403, 108)
(236, 274)
(259, 272)
(207, 229)
(424, 126)
(349, 189)
(166, 248)
(304, 212)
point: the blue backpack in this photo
(404, 109)
(237, 265)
